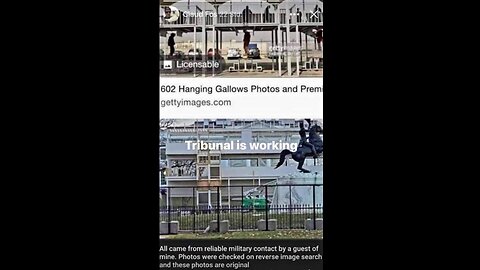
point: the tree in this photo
(164, 125)
(188, 167)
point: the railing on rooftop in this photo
(251, 19)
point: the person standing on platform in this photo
(246, 41)
(171, 44)
(299, 15)
(266, 19)
(320, 38)
(246, 14)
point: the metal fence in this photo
(254, 18)
(197, 217)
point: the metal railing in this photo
(253, 18)
(290, 214)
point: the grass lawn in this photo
(279, 234)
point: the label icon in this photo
(167, 64)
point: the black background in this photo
(86, 164)
(253, 264)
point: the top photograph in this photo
(238, 38)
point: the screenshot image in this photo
(241, 142)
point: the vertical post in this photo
(266, 206)
(229, 194)
(205, 50)
(304, 12)
(279, 32)
(298, 40)
(215, 43)
(271, 49)
(193, 208)
(306, 47)
(289, 58)
(215, 39)
(209, 197)
(195, 47)
(290, 206)
(314, 217)
(204, 35)
(276, 47)
(218, 208)
(169, 210)
(242, 209)
(299, 37)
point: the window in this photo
(248, 162)
(162, 177)
(224, 163)
(238, 163)
(182, 140)
(203, 159)
(203, 173)
(182, 167)
(262, 162)
(203, 198)
(274, 162)
(232, 138)
(215, 172)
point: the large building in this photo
(183, 166)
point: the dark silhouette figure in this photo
(246, 41)
(304, 140)
(246, 13)
(299, 15)
(317, 17)
(266, 18)
(171, 44)
(181, 17)
(320, 38)
(303, 152)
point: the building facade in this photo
(217, 174)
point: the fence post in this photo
(314, 217)
(169, 209)
(266, 206)
(218, 208)
(241, 209)
(194, 208)
(290, 206)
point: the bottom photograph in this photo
(241, 179)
